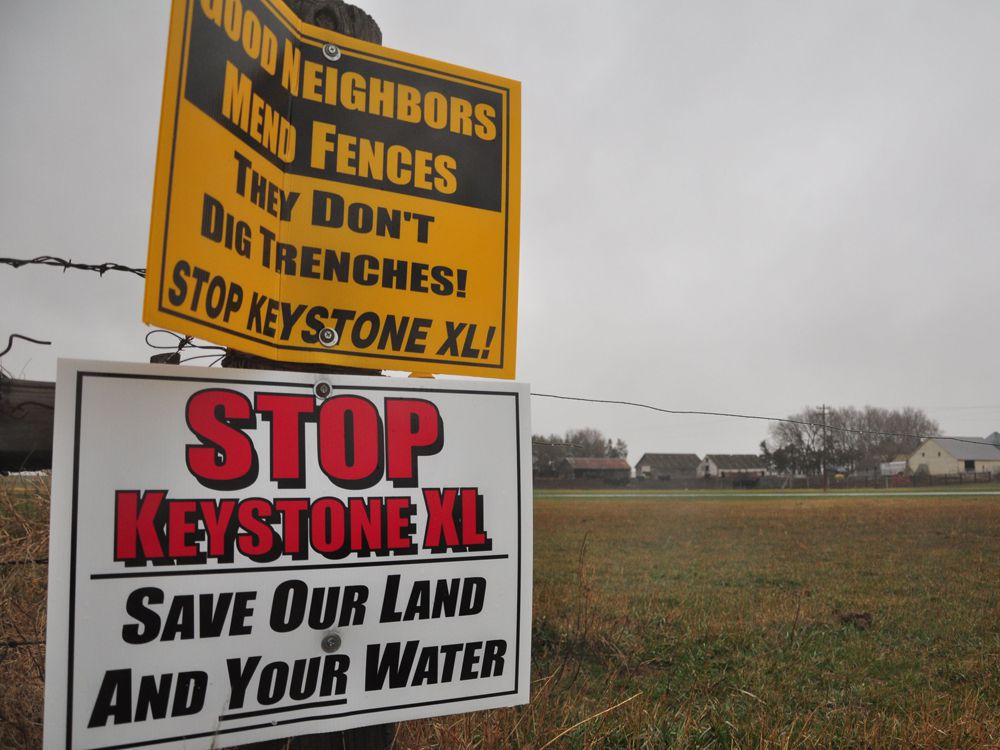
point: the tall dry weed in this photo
(24, 541)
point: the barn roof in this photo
(969, 448)
(599, 464)
(670, 461)
(737, 461)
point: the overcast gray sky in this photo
(741, 207)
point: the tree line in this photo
(845, 439)
(853, 440)
(549, 451)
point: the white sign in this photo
(243, 555)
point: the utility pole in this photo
(826, 476)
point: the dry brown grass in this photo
(821, 622)
(24, 539)
(703, 623)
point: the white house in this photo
(737, 465)
(956, 455)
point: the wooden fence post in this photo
(335, 15)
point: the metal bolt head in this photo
(331, 52)
(331, 643)
(322, 390)
(329, 337)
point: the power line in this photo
(102, 268)
(964, 408)
(733, 415)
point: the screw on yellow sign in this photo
(321, 199)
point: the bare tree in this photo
(548, 451)
(853, 439)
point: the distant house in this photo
(737, 465)
(956, 455)
(616, 470)
(667, 466)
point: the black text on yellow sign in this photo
(321, 199)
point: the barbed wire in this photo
(51, 260)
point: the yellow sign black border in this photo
(175, 82)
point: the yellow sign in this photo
(321, 199)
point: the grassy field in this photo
(700, 621)
(24, 515)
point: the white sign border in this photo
(63, 545)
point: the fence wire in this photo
(733, 415)
(51, 260)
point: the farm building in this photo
(737, 465)
(667, 466)
(25, 424)
(956, 455)
(606, 469)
